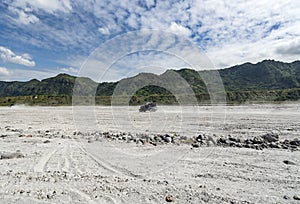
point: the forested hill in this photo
(269, 77)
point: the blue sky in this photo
(41, 38)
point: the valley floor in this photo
(43, 160)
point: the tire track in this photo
(66, 157)
(41, 165)
(109, 167)
(83, 195)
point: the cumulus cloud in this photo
(179, 30)
(104, 31)
(9, 56)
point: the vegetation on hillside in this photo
(266, 81)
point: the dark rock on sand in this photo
(296, 197)
(14, 155)
(222, 141)
(169, 198)
(295, 142)
(195, 145)
(270, 137)
(289, 162)
(258, 140)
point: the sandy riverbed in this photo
(58, 167)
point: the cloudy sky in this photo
(41, 38)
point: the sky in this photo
(42, 38)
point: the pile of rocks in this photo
(268, 140)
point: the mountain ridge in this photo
(260, 78)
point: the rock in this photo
(231, 144)
(11, 155)
(257, 140)
(222, 140)
(233, 139)
(46, 141)
(296, 197)
(153, 143)
(169, 198)
(274, 145)
(200, 138)
(270, 137)
(286, 197)
(195, 145)
(248, 141)
(168, 139)
(289, 162)
(295, 142)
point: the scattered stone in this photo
(289, 162)
(169, 198)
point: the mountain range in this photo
(268, 80)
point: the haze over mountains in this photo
(268, 76)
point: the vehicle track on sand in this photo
(40, 166)
(83, 195)
(66, 158)
(109, 167)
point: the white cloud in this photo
(26, 75)
(4, 71)
(179, 30)
(230, 32)
(8, 56)
(69, 70)
(24, 17)
(49, 6)
(104, 31)
(5, 74)
(289, 48)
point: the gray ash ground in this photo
(250, 157)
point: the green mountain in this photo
(268, 80)
(265, 75)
